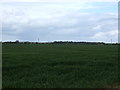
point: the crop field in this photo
(59, 66)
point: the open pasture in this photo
(59, 66)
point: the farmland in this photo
(59, 66)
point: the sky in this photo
(78, 20)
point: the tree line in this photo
(61, 42)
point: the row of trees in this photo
(60, 42)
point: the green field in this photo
(59, 66)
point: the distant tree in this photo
(17, 41)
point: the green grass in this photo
(59, 66)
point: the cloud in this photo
(98, 27)
(106, 36)
(66, 31)
(50, 21)
(60, 0)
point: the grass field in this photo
(59, 66)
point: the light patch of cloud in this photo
(106, 36)
(98, 27)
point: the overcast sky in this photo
(52, 21)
